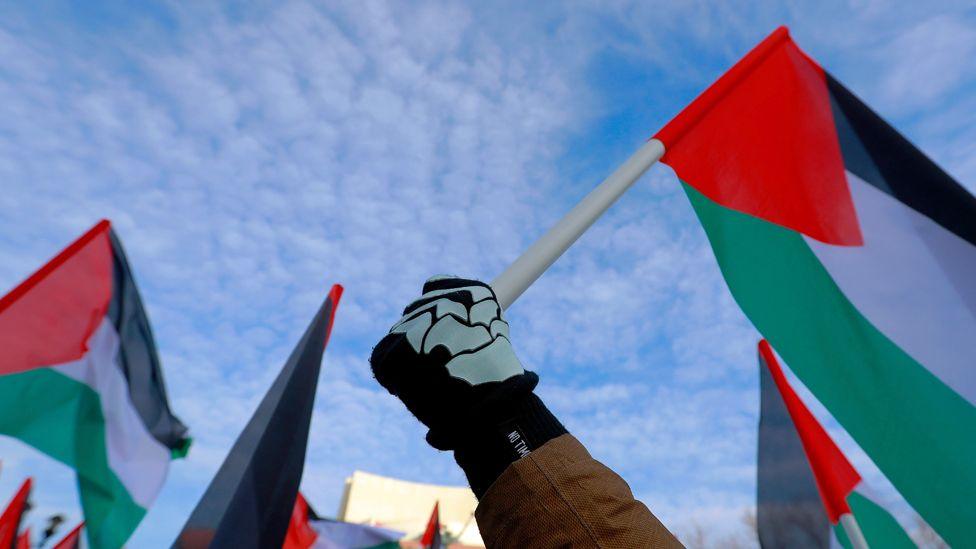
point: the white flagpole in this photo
(853, 531)
(546, 250)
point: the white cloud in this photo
(933, 57)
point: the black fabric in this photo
(138, 358)
(878, 154)
(494, 443)
(471, 420)
(250, 500)
(789, 511)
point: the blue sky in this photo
(250, 155)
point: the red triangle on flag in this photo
(432, 535)
(48, 318)
(761, 140)
(72, 540)
(300, 534)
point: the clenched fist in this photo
(463, 317)
(450, 361)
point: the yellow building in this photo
(406, 506)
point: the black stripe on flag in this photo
(878, 154)
(250, 500)
(789, 511)
(138, 358)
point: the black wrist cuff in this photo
(523, 426)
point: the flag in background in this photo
(432, 535)
(72, 540)
(307, 530)
(300, 534)
(840, 487)
(80, 380)
(789, 511)
(854, 254)
(336, 534)
(250, 500)
(13, 515)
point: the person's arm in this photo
(450, 361)
(559, 496)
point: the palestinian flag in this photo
(80, 380)
(854, 254)
(336, 534)
(251, 499)
(432, 535)
(13, 515)
(300, 534)
(792, 445)
(307, 530)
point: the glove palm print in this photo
(463, 317)
(449, 359)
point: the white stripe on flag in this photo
(137, 459)
(900, 287)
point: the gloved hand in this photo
(450, 361)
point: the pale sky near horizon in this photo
(250, 155)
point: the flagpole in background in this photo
(853, 531)
(546, 250)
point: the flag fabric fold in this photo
(840, 487)
(81, 381)
(853, 254)
(250, 501)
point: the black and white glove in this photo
(450, 360)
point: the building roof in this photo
(406, 506)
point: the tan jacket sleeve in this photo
(559, 496)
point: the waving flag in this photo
(432, 535)
(336, 534)
(309, 531)
(249, 502)
(790, 437)
(80, 380)
(13, 515)
(789, 511)
(300, 534)
(854, 254)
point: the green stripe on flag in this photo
(915, 428)
(63, 418)
(880, 529)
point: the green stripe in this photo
(920, 432)
(63, 418)
(880, 529)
